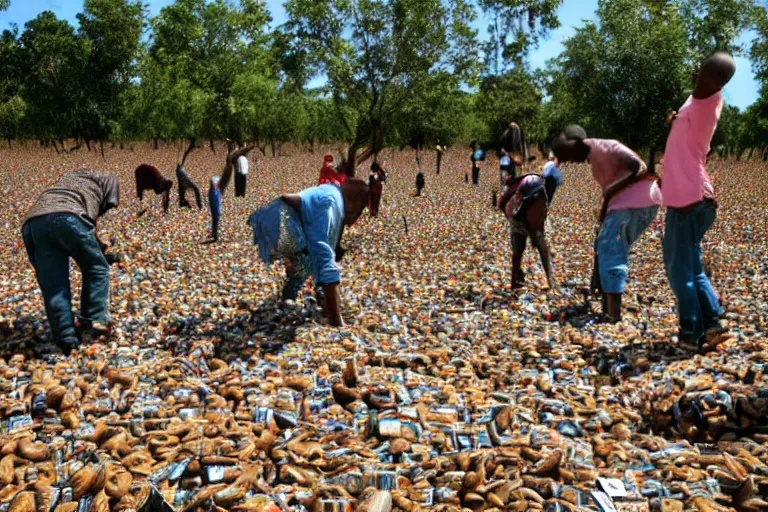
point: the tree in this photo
(52, 55)
(623, 74)
(516, 27)
(374, 52)
(502, 99)
(716, 24)
(4, 4)
(112, 30)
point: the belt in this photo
(692, 207)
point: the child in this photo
(330, 175)
(478, 157)
(214, 202)
(524, 203)
(630, 204)
(553, 177)
(691, 206)
(376, 178)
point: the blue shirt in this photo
(551, 171)
(322, 215)
(479, 154)
(214, 200)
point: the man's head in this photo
(569, 146)
(718, 68)
(712, 74)
(215, 181)
(355, 194)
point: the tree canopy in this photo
(369, 73)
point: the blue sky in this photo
(742, 91)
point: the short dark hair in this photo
(575, 132)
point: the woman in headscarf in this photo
(62, 225)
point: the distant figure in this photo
(241, 175)
(329, 174)
(439, 154)
(149, 178)
(185, 182)
(553, 177)
(691, 205)
(229, 166)
(478, 157)
(304, 230)
(62, 224)
(214, 203)
(512, 143)
(524, 203)
(419, 183)
(376, 179)
(506, 167)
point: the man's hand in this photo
(671, 118)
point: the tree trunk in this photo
(751, 150)
(213, 147)
(101, 146)
(9, 142)
(88, 144)
(55, 146)
(188, 151)
(121, 145)
(155, 144)
(273, 148)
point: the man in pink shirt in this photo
(691, 207)
(631, 199)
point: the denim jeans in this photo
(620, 230)
(698, 307)
(50, 241)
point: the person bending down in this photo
(524, 202)
(148, 177)
(185, 182)
(631, 199)
(62, 225)
(304, 230)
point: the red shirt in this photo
(329, 175)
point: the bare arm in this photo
(332, 301)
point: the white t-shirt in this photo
(242, 165)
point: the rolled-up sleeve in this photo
(321, 230)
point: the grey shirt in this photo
(85, 193)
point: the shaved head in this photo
(720, 66)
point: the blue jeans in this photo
(620, 230)
(50, 241)
(698, 307)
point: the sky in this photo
(742, 91)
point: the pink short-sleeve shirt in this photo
(608, 159)
(685, 179)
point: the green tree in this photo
(374, 52)
(716, 24)
(112, 30)
(624, 73)
(52, 55)
(501, 99)
(516, 27)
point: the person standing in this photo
(241, 175)
(229, 165)
(62, 224)
(214, 203)
(376, 180)
(149, 177)
(304, 230)
(691, 206)
(478, 157)
(185, 182)
(631, 199)
(439, 154)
